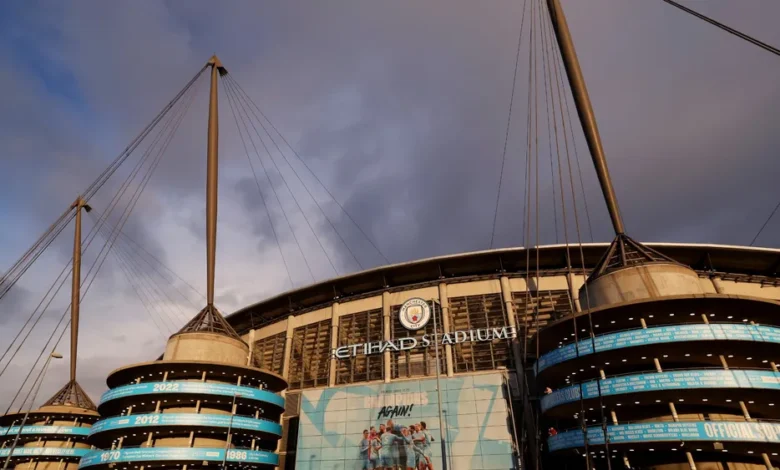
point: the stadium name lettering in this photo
(403, 344)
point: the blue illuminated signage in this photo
(660, 335)
(185, 419)
(44, 452)
(200, 388)
(67, 430)
(691, 379)
(672, 432)
(152, 454)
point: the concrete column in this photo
(673, 410)
(506, 295)
(249, 360)
(717, 284)
(723, 362)
(690, 460)
(705, 319)
(643, 323)
(386, 328)
(767, 462)
(657, 363)
(745, 411)
(774, 366)
(444, 300)
(288, 346)
(334, 342)
(574, 293)
(614, 417)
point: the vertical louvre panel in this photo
(551, 304)
(358, 328)
(269, 352)
(477, 312)
(417, 362)
(310, 356)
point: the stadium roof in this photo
(748, 261)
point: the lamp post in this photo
(53, 355)
(442, 429)
(229, 438)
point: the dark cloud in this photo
(400, 109)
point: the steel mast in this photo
(212, 169)
(75, 292)
(585, 111)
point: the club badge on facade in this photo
(414, 314)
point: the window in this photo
(419, 361)
(478, 312)
(269, 353)
(358, 328)
(310, 356)
(552, 304)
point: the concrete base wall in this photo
(206, 347)
(640, 282)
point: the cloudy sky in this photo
(399, 108)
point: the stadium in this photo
(628, 355)
(331, 400)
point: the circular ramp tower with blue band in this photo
(202, 404)
(680, 379)
(52, 437)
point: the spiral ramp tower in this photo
(659, 375)
(201, 405)
(52, 437)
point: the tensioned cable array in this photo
(311, 172)
(726, 28)
(17, 270)
(166, 125)
(255, 128)
(508, 125)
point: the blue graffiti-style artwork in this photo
(474, 415)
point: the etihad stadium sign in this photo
(403, 344)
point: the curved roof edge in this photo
(746, 260)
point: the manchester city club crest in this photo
(414, 314)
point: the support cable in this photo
(17, 270)
(24, 263)
(547, 100)
(130, 251)
(138, 249)
(536, 243)
(286, 184)
(306, 188)
(259, 189)
(765, 224)
(154, 292)
(138, 290)
(508, 126)
(101, 180)
(587, 294)
(548, 44)
(295, 172)
(235, 83)
(564, 98)
(93, 233)
(526, 226)
(228, 93)
(728, 29)
(162, 328)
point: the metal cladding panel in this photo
(660, 335)
(658, 381)
(476, 432)
(702, 431)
